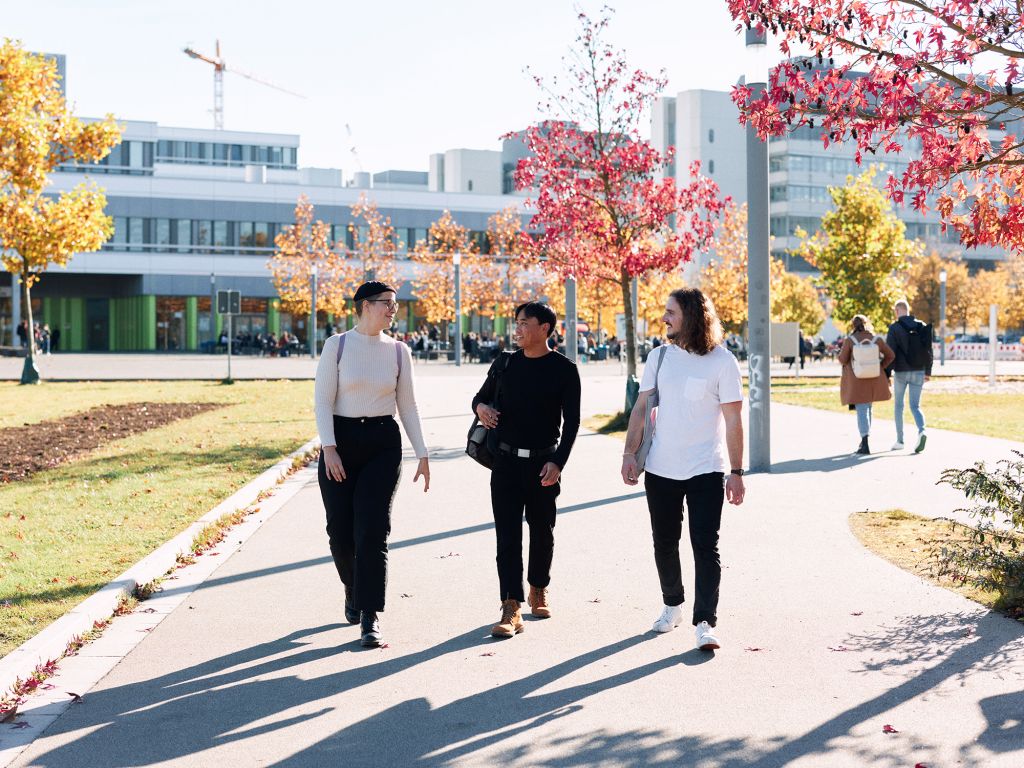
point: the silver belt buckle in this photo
(523, 453)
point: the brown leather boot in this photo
(511, 620)
(538, 601)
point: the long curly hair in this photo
(702, 330)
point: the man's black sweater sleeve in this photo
(486, 393)
(570, 416)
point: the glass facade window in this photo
(220, 233)
(261, 235)
(777, 194)
(711, 135)
(203, 233)
(163, 234)
(170, 322)
(245, 234)
(120, 235)
(135, 231)
(711, 166)
(183, 234)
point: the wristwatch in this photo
(736, 472)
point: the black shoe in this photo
(351, 612)
(371, 630)
(863, 449)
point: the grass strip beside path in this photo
(65, 532)
(907, 540)
(978, 413)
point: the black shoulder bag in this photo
(477, 446)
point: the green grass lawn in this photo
(995, 415)
(67, 531)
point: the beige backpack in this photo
(867, 358)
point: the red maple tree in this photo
(941, 75)
(604, 204)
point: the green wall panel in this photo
(191, 323)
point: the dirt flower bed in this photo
(37, 447)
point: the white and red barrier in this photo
(979, 351)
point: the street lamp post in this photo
(312, 311)
(457, 338)
(758, 265)
(942, 317)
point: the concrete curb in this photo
(51, 642)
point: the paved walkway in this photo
(824, 644)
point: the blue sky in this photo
(409, 77)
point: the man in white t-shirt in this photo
(700, 400)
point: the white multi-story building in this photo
(703, 125)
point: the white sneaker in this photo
(670, 618)
(706, 639)
(897, 446)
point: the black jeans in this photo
(515, 488)
(359, 507)
(704, 496)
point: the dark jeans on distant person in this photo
(515, 488)
(704, 496)
(359, 507)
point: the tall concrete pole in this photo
(758, 270)
(570, 318)
(457, 262)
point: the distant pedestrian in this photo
(699, 434)
(539, 390)
(864, 358)
(44, 339)
(911, 340)
(55, 339)
(23, 333)
(359, 386)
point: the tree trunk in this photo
(627, 306)
(29, 372)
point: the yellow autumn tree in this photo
(986, 287)
(38, 133)
(923, 289)
(508, 275)
(1012, 270)
(434, 283)
(300, 248)
(724, 279)
(795, 299)
(375, 247)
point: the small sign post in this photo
(229, 303)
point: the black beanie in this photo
(372, 288)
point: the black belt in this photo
(364, 419)
(525, 453)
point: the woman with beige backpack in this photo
(864, 357)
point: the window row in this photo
(128, 157)
(137, 233)
(831, 166)
(211, 153)
(786, 226)
(796, 193)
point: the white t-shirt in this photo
(690, 436)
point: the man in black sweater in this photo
(911, 340)
(538, 389)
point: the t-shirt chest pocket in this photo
(695, 389)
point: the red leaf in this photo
(488, 653)
(857, 613)
(753, 649)
(888, 729)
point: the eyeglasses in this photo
(391, 303)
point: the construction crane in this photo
(219, 68)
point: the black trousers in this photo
(515, 489)
(359, 507)
(704, 496)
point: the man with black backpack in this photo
(911, 340)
